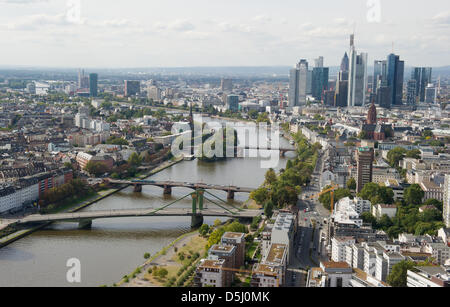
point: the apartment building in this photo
(211, 273)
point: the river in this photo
(115, 247)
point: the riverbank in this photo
(168, 259)
(4, 241)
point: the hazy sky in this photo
(155, 33)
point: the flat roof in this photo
(335, 265)
(276, 253)
(233, 235)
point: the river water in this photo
(115, 247)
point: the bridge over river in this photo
(196, 212)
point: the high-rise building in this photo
(430, 94)
(233, 102)
(320, 77)
(423, 77)
(226, 85)
(318, 62)
(341, 93)
(298, 84)
(365, 156)
(395, 74)
(357, 79)
(154, 93)
(411, 92)
(93, 85)
(132, 88)
(379, 75)
(83, 80)
(345, 63)
(447, 200)
(383, 97)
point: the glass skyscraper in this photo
(93, 85)
(298, 84)
(395, 75)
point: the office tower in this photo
(309, 77)
(93, 85)
(411, 92)
(383, 97)
(319, 81)
(344, 63)
(430, 94)
(233, 102)
(298, 84)
(379, 75)
(154, 93)
(329, 98)
(318, 62)
(365, 156)
(83, 80)
(357, 78)
(395, 72)
(446, 210)
(226, 85)
(132, 88)
(341, 93)
(423, 77)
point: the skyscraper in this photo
(422, 76)
(357, 78)
(298, 84)
(226, 85)
(384, 97)
(83, 80)
(447, 201)
(365, 156)
(345, 63)
(379, 75)
(318, 62)
(395, 74)
(320, 77)
(132, 88)
(93, 85)
(430, 94)
(411, 92)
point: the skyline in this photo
(258, 34)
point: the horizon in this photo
(199, 33)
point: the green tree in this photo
(96, 168)
(396, 155)
(260, 195)
(135, 159)
(204, 230)
(351, 184)
(414, 194)
(415, 154)
(268, 209)
(398, 276)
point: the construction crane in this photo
(329, 190)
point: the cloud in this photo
(22, 2)
(442, 19)
(34, 22)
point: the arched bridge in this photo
(168, 185)
(196, 212)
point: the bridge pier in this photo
(85, 224)
(138, 188)
(230, 195)
(167, 190)
(196, 220)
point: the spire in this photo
(372, 115)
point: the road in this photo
(310, 248)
